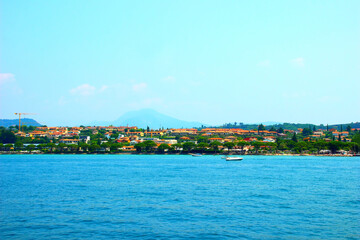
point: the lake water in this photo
(178, 197)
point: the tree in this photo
(139, 147)
(301, 146)
(354, 147)
(6, 136)
(202, 146)
(93, 147)
(73, 147)
(229, 145)
(280, 130)
(334, 146)
(188, 146)
(83, 146)
(51, 146)
(215, 145)
(163, 147)
(294, 138)
(19, 145)
(8, 146)
(30, 147)
(242, 144)
(320, 145)
(202, 139)
(62, 146)
(348, 128)
(257, 145)
(105, 146)
(306, 132)
(149, 145)
(356, 138)
(272, 129)
(177, 146)
(261, 128)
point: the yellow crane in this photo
(20, 118)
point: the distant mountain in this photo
(15, 122)
(153, 119)
(290, 126)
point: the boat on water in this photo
(196, 155)
(234, 158)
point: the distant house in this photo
(69, 141)
(269, 139)
(250, 139)
(319, 133)
(129, 148)
(216, 139)
(85, 139)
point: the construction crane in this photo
(20, 118)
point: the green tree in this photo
(301, 146)
(19, 145)
(356, 138)
(229, 145)
(105, 146)
(6, 136)
(149, 145)
(273, 129)
(348, 128)
(8, 146)
(51, 146)
(242, 144)
(73, 147)
(261, 128)
(94, 147)
(257, 145)
(188, 146)
(30, 147)
(139, 147)
(294, 138)
(215, 145)
(334, 146)
(61, 147)
(306, 132)
(114, 147)
(280, 130)
(202, 139)
(320, 145)
(202, 146)
(163, 147)
(177, 146)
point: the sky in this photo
(78, 62)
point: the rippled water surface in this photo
(178, 197)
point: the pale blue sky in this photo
(80, 61)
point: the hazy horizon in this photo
(213, 62)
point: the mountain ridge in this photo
(150, 118)
(15, 122)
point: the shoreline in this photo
(182, 154)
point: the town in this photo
(265, 140)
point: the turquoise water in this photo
(178, 197)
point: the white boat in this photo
(196, 155)
(234, 158)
